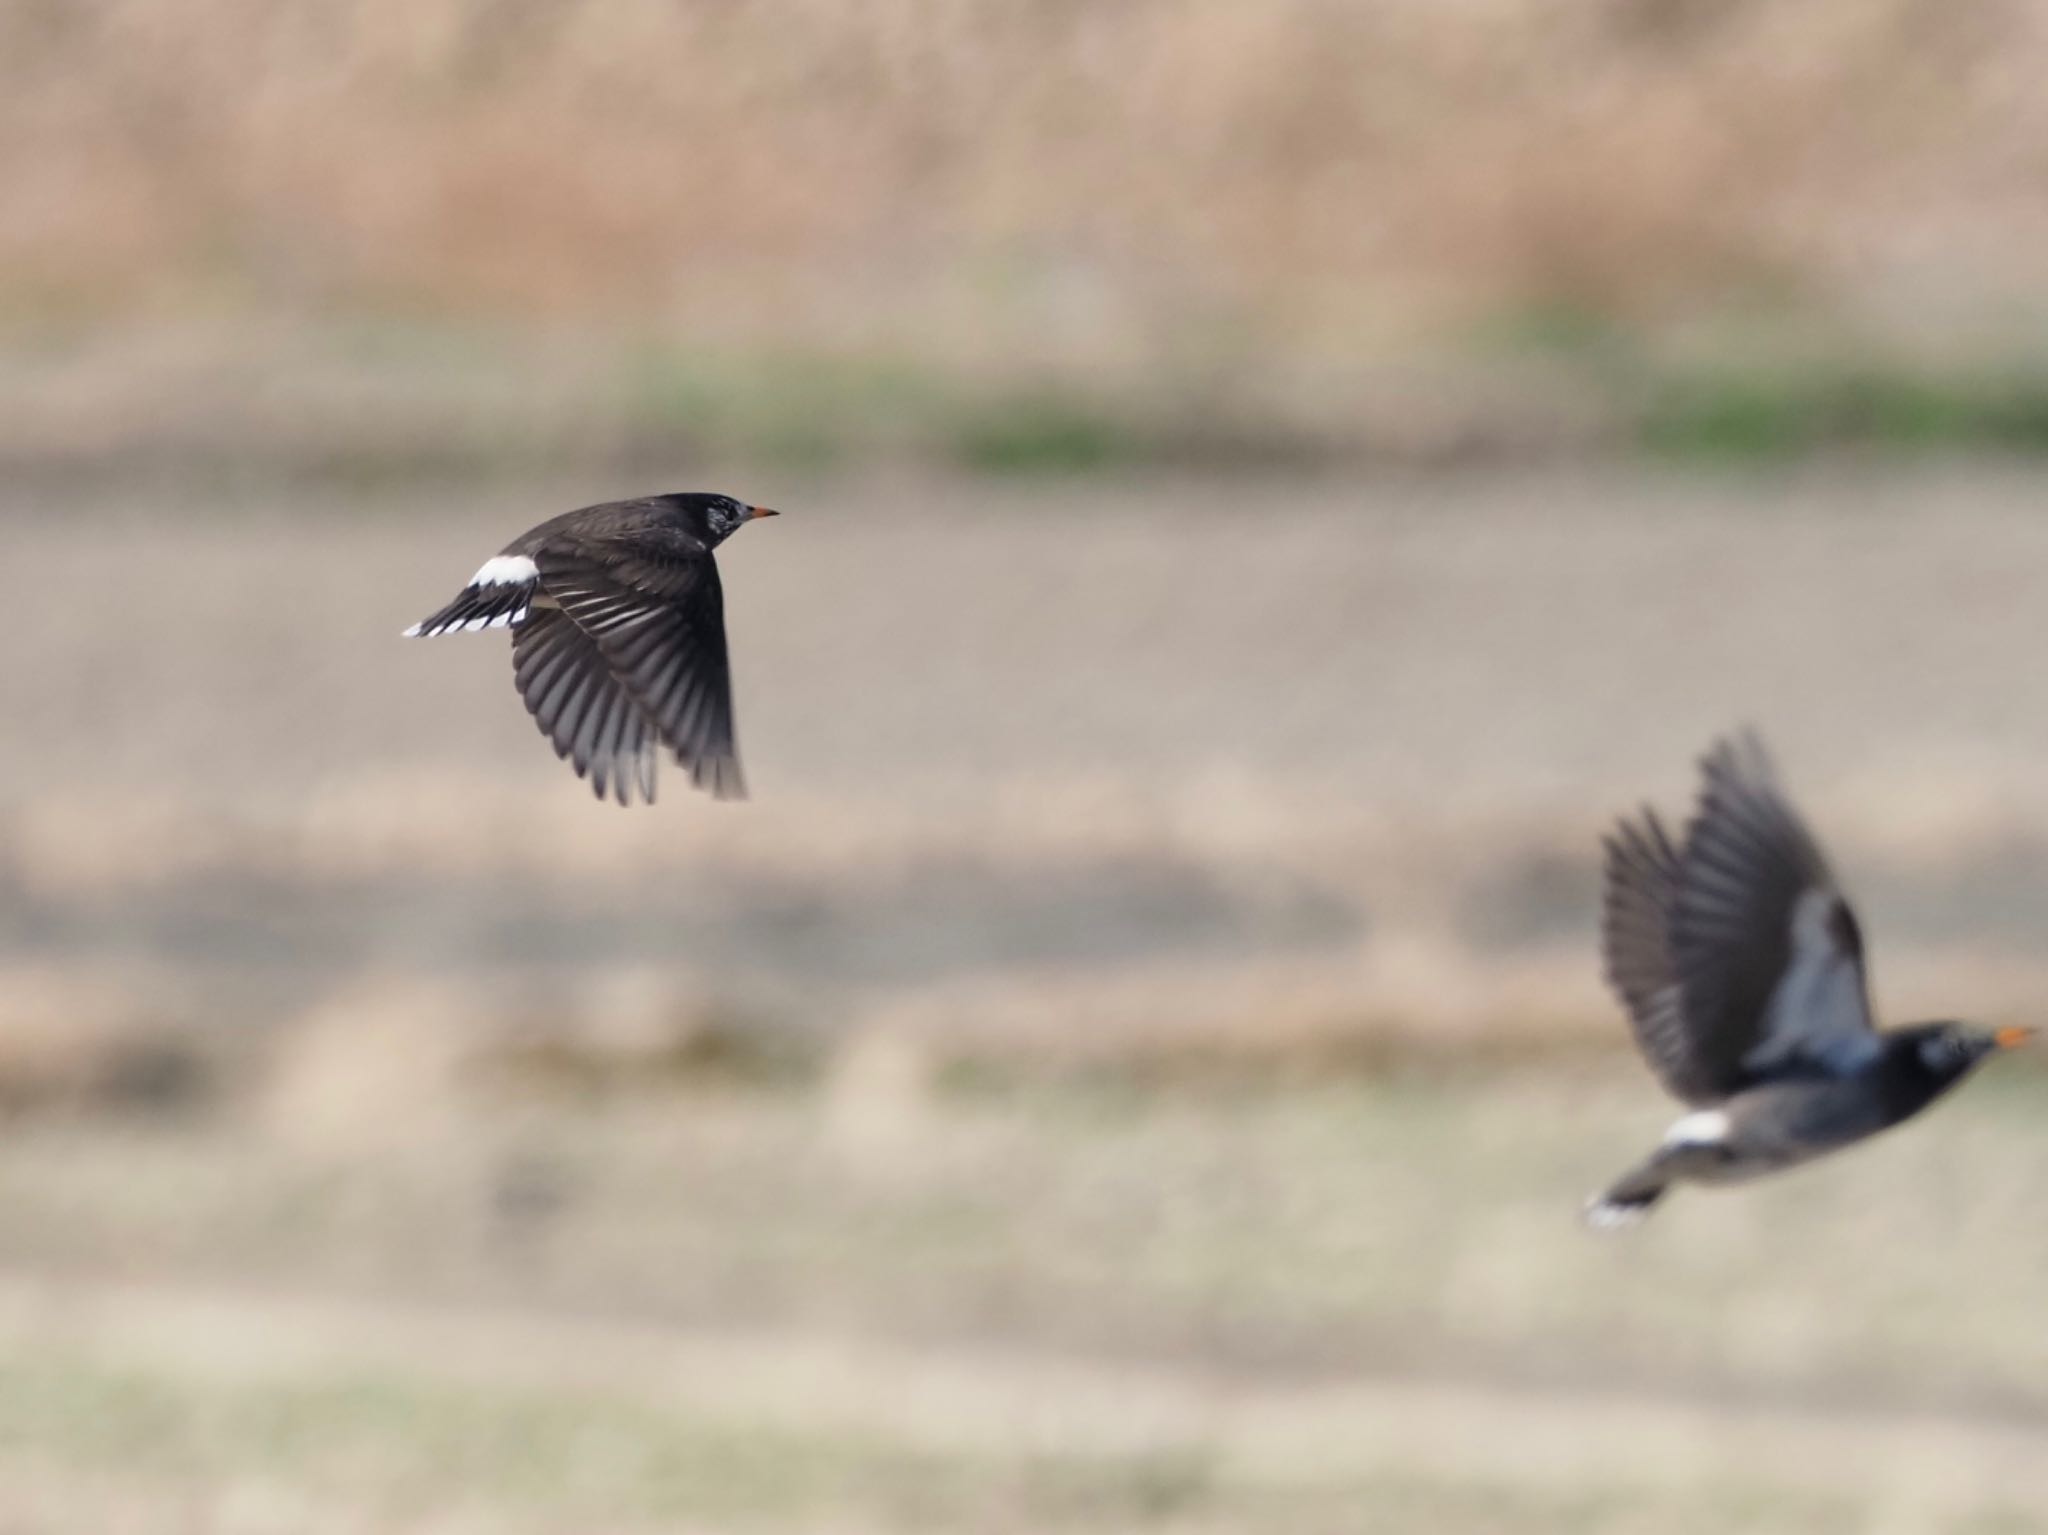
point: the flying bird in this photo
(1741, 966)
(618, 637)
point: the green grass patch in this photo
(783, 408)
(1565, 328)
(1743, 413)
(1040, 431)
(814, 411)
(1763, 385)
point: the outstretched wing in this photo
(1767, 951)
(1640, 898)
(593, 721)
(658, 617)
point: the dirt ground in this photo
(1252, 756)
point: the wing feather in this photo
(590, 718)
(658, 617)
(1734, 953)
(1763, 942)
(1642, 874)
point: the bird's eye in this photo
(1942, 1050)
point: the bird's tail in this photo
(497, 597)
(1630, 1198)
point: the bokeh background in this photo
(1265, 485)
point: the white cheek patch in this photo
(506, 570)
(1709, 1127)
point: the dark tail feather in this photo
(1629, 1200)
(479, 607)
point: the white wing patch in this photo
(502, 621)
(1818, 1012)
(506, 570)
(498, 597)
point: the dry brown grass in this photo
(1083, 183)
(378, 235)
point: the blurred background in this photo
(1265, 486)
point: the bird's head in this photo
(1948, 1049)
(717, 517)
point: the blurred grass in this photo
(1047, 166)
(442, 235)
(1411, 1223)
(1757, 414)
(383, 400)
(1051, 1309)
(408, 1451)
(808, 412)
(1042, 430)
(1638, 395)
(1727, 392)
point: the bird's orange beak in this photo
(761, 511)
(2006, 1038)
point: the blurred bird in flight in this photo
(1741, 965)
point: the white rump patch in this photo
(1709, 1127)
(506, 570)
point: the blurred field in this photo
(1134, 1064)
(1021, 1311)
(1136, 1061)
(386, 232)
(1248, 762)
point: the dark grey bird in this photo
(618, 637)
(1741, 965)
